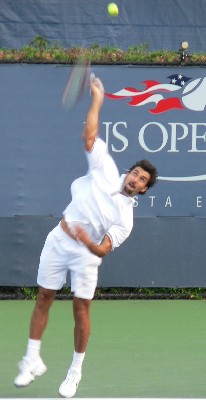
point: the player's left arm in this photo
(99, 250)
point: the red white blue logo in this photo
(189, 94)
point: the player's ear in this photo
(144, 190)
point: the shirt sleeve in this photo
(100, 162)
(118, 235)
(97, 154)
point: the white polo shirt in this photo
(97, 203)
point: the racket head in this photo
(77, 85)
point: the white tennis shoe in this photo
(28, 371)
(69, 386)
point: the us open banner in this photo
(160, 115)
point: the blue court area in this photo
(137, 349)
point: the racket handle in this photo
(91, 78)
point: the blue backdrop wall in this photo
(163, 120)
(161, 117)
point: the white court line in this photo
(103, 398)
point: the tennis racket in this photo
(78, 84)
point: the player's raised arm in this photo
(91, 127)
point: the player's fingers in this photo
(99, 84)
(96, 82)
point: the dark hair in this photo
(148, 167)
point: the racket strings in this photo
(77, 84)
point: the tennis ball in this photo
(113, 9)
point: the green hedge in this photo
(41, 51)
(29, 293)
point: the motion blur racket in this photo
(77, 85)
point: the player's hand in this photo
(97, 89)
(100, 250)
(82, 235)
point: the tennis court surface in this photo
(137, 349)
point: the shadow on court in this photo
(137, 348)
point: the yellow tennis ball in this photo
(113, 9)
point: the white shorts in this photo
(61, 254)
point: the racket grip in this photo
(91, 78)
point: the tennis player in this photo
(98, 219)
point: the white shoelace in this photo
(73, 378)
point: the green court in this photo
(137, 348)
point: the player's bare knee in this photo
(45, 298)
(81, 309)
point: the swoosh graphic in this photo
(183, 178)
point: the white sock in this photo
(33, 349)
(77, 362)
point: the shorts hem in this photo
(50, 287)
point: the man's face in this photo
(136, 181)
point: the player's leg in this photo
(51, 275)
(40, 314)
(83, 284)
(32, 364)
(81, 311)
